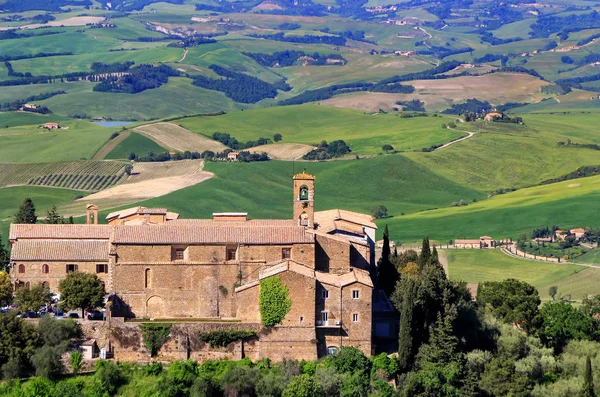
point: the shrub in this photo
(303, 386)
(274, 301)
(223, 338)
(155, 335)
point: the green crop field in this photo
(590, 257)
(31, 144)
(135, 143)
(43, 198)
(586, 282)
(14, 119)
(477, 266)
(365, 133)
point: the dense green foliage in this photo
(274, 302)
(26, 212)
(155, 336)
(223, 338)
(80, 290)
(289, 58)
(138, 79)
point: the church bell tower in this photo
(304, 199)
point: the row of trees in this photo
(138, 79)
(327, 151)
(291, 57)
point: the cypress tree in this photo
(588, 380)
(4, 257)
(26, 212)
(434, 256)
(425, 253)
(387, 274)
(53, 217)
(405, 340)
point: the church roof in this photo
(337, 219)
(237, 223)
(136, 210)
(44, 231)
(61, 250)
(211, 233)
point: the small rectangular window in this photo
(324, 316)
(355, 317)
(286, 253)
(72, 268)
(179, 254)
(231, 254)
(325, 294)
(102, 268)
(301, 319)
(355, 294)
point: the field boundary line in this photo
(110, 145)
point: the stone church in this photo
(157, 266)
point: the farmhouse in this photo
(30, 106)
(232, 156)
(158, 266)
(483, 242)
(51, 126)
(578, 232)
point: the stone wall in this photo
(56, 272)
(332, 256)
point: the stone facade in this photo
(156, 266)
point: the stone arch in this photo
(155, 307)
(303, 219)
(303, 193)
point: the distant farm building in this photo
(30, 106)
(492, 116)
(578, 232)
(483, 242)
(51, 126)
(233, 156)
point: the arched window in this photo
(45, 269)
(21, 268)
(331, 350)
(303, 219)
(45, 284)
(148, 279)
(303, 192)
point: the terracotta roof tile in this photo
(327, 219)
(224, 233)
(248, 223)
(60, 250)
(26, 231)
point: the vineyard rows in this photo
(80, 175)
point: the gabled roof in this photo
(137, 211)
(44, 231)
(61, 250)
(327, 220)
(467, 241)
(342, 280)
(210, 233)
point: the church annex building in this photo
(157, 266)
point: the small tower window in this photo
(21, 268)
(286, 253)
(355, 317)
(148, 278)
(303, 192)
(355, 294)
(325, 294)
(45, 269)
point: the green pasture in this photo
(176, 98)
(477, 266)
(136, 143)
(43, 198)
(578, 285)
(264, 190)
(31, 144)
(568, 204)
(507, 155)
(14, 119)
(516, 29)
(590, 257)
(365, 133)
(77, 43)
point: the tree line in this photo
(325, 151)
(306, 39)
(291, 57)
(239, 86)
(138, 79)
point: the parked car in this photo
(73, 315)
(59, 314)
(95, 315)
(30, 315)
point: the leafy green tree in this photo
(6, 289)
(81, 290)
(26, 212)
(588, 380)
(240, 381)
(31, 299)
(274, 302)
(4, 257)
(277, 137)
(512, 301)
(46, 361)
(561, 322)
(591, 306)
(75, 360)
(271, 384)
(330, 380)
(69, 388)
(387, 274)
(202, 387)
(500, 378)
(107, 378)
(380, 212)
(183, 374)
(55, 332)
(303, 386)
(552, 291)
(387, 148)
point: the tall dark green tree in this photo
(425, 253)
(588, 380)
(53, 217)
(387, 274)
(406, 351)
(4, 256)
(26, 212)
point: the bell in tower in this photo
(304, 199)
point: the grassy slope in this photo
(577, 285)
(30, 144)
(310, 124)
(264, 189)
(14, 119)
(567, 204)
(134, 143)
(476, 266)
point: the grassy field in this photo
(43, 198)
(590, 257)
(15, 119)
(136, 143)
(477, 266)
(174, 137)
(30, 144)
(365, 133)
(586, 282)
